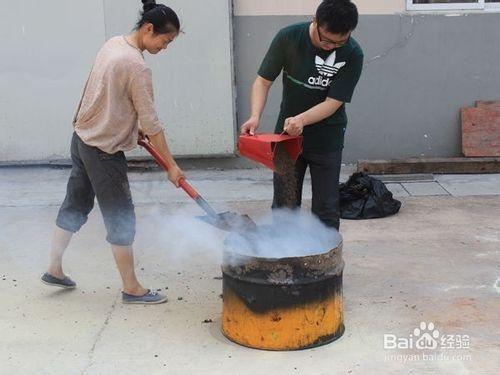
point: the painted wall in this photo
(301, 7)
(419, 70)
(43, 68)
(49, 47)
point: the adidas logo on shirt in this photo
(327, 69)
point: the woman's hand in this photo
(175, 175)
(141, 134)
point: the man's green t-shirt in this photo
(310, 75)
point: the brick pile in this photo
(481, 129)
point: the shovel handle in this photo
(144, 142)
(188, 189)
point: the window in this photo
(452, 4)
(492, 4)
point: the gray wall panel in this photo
(193, 79)
(48, 49)
(419, 71)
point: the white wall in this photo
(48, 50)
(308, 7)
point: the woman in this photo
(117, 96)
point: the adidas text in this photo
(320, 81)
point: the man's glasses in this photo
(328, 42)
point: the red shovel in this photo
(229, 221)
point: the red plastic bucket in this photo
(261, 147)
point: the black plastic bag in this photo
(365, 197)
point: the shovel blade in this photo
(230, 222)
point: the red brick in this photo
(487, 103)
(481, 131)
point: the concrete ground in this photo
(437, 261)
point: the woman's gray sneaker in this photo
(65, 283)
(150, 298)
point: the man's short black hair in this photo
(337, 16)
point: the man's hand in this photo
(175, 175)
(294, 126)
(250, 127)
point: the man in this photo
(321, 65)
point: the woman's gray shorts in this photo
(98, 174)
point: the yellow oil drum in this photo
(283, 303)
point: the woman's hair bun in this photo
(148, 5)
(163, 18)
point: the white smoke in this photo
(285, 233)
(184, 235)
(280, 234)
